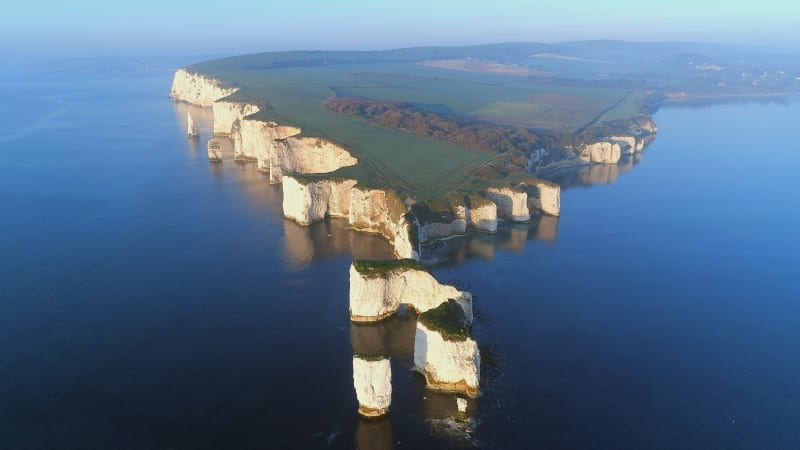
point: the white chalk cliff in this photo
(448, 364)
(307, 155)
(435, 230)
(283, 152)
(197, 89)
(309, 200)
(226, 113)
(601, 152)
(482, 214)
(375, 296)
(512, 203)
(372, 379)
(545, 196)
(306, 200)
(255, 140)
(278, 149)
(452, 216)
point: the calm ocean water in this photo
(149, 299)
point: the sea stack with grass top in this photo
(444, 351)
(378, 288)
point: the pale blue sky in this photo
(165, 27)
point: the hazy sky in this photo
(167, 27)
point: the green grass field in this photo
(419, 167)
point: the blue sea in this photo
(152, 300)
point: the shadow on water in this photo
(509, 237)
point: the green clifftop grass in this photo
(447, 319)
(381, 268)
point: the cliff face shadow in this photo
(328, 238)
(594, 174)
(509, 237)
(374, 433)
(393, 337)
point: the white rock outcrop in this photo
(545, 196)
(227, 113)
(381, 211)
(482, 214)
(375, 295)
(191, 128)
(432, 230)
(254, 140)
(197, 89)
(306, 200)
(403, 248)
(309, 200)
(628, 144)
(512, 203)
(448, 364)
(372, 379)
(214, 150)
(453, 214)
(279, 150)
(601, 152)
(307, 155)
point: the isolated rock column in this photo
(372, 379)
